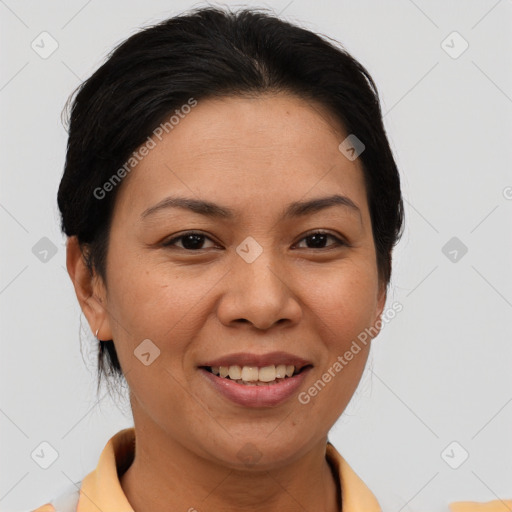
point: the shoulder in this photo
(45, 508)
(66, 502)
(355, 491)
(488, 506)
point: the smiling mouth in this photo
(254, 375)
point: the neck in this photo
(165, 475)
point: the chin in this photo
(262, 451)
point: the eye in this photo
(194, 241)
(190, 241)
(317, 240)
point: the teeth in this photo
(253, 374)
(281, 371)
(267, 374)
(249, 373)
(235, 372)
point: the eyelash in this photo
(338, 241)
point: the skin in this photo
(254, 155)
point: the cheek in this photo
(159, 303)
(342, 306)
(341, 312)
(148, 298)
(344, 302)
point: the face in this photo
(263, 279)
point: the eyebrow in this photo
(209, 209)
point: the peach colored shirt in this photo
(101, 491)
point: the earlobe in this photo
(89, 290)
(381, 300)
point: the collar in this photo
(101, 489)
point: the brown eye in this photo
(189, 241)
(318, 239)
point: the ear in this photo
(381, 302)
(90, 290)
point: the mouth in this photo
(256, 376)
(252, 380)
(256, 380)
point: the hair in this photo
(212, 53)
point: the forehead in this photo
(274, 148)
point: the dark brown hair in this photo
(213, 52)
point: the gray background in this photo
(438, 373)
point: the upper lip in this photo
(260, 360)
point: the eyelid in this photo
(340, 241)
(172, 242)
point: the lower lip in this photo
(257, 396)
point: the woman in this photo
(231, 203)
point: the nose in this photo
(259, 293)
